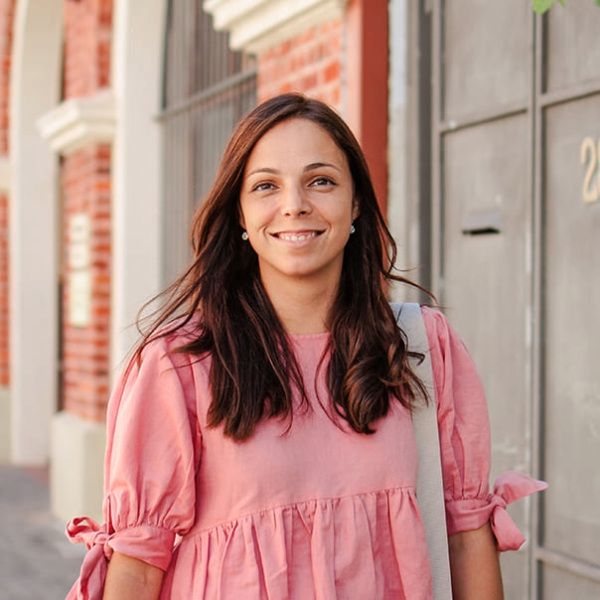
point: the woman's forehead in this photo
(295, 140)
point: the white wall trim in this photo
(5, 432)
(256, 25)
(77, 465)
(137, 79)
(80, 122)
(35, 83)
(5, 175)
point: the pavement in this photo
(37, 562)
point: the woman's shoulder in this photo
(172, 336)
(439, 330)
(434, 317)
(450, 357)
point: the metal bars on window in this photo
(207, 88)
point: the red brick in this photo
(310, 63)
(333, 72)
(88, 32)
(85, 177)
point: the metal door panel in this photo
(512, 100)
(559, 584)
(486, 285)
(572, 337)
(486, 45)
(572, 47)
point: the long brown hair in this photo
(254, 370)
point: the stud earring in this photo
(245, 236)
(352, 229)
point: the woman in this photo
(265, 419)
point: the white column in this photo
(137, 59)
(34, 89)
(400, 223)
(5, 432)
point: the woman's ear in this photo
(355, 209)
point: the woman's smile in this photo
(297, 204)
(296, 236)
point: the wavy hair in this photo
(253, 368)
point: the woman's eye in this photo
(264, 186)
(322, 181)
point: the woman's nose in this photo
(295, 202)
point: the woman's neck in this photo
(302, 307)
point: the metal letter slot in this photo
(482, 223)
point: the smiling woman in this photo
(266, 415)
(297, 205)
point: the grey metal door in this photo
(568, 117)
(516, 259)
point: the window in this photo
(207, 89)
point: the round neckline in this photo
(309, 336)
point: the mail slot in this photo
(483, 223)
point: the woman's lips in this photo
(296, 236)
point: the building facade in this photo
(480, 124)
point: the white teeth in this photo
(293, 237)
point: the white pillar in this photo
(127, 118)
(137, 59)
(34, 89)
(5, 432)
(401, 221)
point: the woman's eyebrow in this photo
(320, 165)
(309, 167)
(263, 170)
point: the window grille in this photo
(207, 89)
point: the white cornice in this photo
(256, 25)
(5, 175)
(80, 122)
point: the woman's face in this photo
(297, 204)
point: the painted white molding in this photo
(35, 82)
(77, 465)
(401, 219)
(256, 25)
(5, 429)
(5, 175)
(80, 122)
(137, 81)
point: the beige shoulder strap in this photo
(430, 489)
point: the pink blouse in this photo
(316, 512)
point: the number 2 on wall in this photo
(591, 190)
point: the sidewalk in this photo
(36, 560)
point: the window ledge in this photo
(80, 122)
(257, 25)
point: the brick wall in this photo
(7, 9)
(86, 188)
(344, 63)
(310, 63)
(88, 26)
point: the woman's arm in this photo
(129, 578)
(475, 565)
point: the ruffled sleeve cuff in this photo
(153, 545)
(472, 513)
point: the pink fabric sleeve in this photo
(152, 456)
(465, 442)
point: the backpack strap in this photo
(430, 488)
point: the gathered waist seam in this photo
(193, 533)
